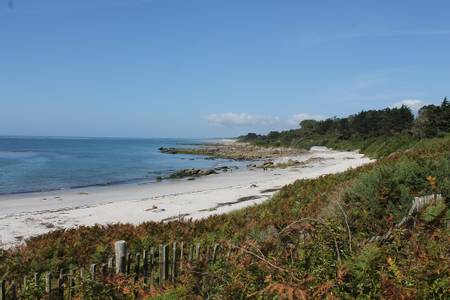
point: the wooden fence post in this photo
(215, 251)
(191, 253)
(181, 256)
(93, 271)
(48, 285)
(128, 264)
(104, 270)
(70, 287)
(120, 249)
(197, 251)
(36, 279)
(174, 262)
(152, 265)
(163, 263)
(145, 266)
(13, 291)
(110, 263)
(137, 267)
(207, 254)
(61, 288)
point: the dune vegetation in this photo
(341, 236)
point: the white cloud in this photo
(413, 104)
(232, 119)
(240, 119)
(297, 118)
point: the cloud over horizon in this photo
(413, 104)
(297, 118)
(241, 119)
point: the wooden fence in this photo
(155, 268)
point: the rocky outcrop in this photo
(237, 151)
(191, 173)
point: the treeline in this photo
(432, 121)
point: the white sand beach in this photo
(26, 215)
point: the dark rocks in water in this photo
(191, 173)
(168, 150)
(223, 169)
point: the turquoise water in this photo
(43, 164)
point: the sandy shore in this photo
(26, 215)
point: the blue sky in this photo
(166, 68)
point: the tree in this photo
(444, 117)
(426, 122)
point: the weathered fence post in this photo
(104, 270)
(152, 265)
(174, 262)
(93, 270)
(197, 251)
(70, 287)
(207, 254)
(110, 263)
(3, 289)
(36, 278)
(120, 249)
(13, 291)
(163, 263)
(61, 288)
(145, 266)
(61, 285)
(128, 264)
(191, 253)
(137, 267)
(181, 256)
(48, 285)
(215, 251)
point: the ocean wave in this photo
(17, 154)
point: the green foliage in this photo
(364, 271)
(32, 291)
(172, 294)
(433, 120)
(95, 290)
(434, 211)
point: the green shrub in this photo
(434, 211)
(364, 271)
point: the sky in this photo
(188, 68)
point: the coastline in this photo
(26, 215)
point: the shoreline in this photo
(26, 215)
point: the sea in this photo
(37, 164)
